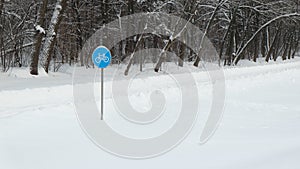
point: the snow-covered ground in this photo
(260, 128)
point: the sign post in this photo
(101, 58)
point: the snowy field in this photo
(260, 128)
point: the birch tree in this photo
(47, 49)
(172, 38)
(211, 19)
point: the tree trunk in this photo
(51, 34)
(291, 43)
(290, 51)
(132, 55)
(277, 47)
(142, 46)
(166, 48)
(272, 47)
(229, 50)
(228, 31)
(196, 63)
(48, 59)
(296, 48)
(238, 57)
(264, 43)
(256, 42)
(285, 53)
(79, 35)
(163, 55)
(1, 36)
(181, 55)
(1, 6)
(38, 39)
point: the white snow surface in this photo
(260, 128)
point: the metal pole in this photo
(102, 89)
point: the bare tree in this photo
(238, 56)
(238, 29)
(211, 19)
(40, 32)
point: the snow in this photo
(58, 7)
(141, 1)
(23, 73)
(260, 127)
(40, 29)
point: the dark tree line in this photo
(50, 33)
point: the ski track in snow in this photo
(40, 97)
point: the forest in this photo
(51, 33)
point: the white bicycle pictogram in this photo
(101, 57)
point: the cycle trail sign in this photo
(101, 57)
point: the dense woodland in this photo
(50, 33)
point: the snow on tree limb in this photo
(238, 56)
(40, 29)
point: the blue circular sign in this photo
(101, 57)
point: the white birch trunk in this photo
(45, 54)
